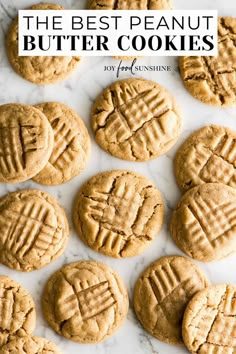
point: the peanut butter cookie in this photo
(209, 321)
(118, 213)
(30, 345)
(34, 230)
(17, 311)
(130, 4)
(212, 80)
(208, 155)
(136, 120)
(38, 69)
(203, 224)
(26, 142)
(162, 293)
(71, 145)
(85, 302)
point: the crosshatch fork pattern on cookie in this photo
(85, 301)
(203, 224)
(136, 120)
(209, 325)
(165, 283)
(32, 231)
(124, 213)
(162, 293)
(217, 163)
(17, 310)
(88, 302)
(133, 113)
(211, 222)
(16, 142)
(212, 79)
(64, 138)
(26, 229)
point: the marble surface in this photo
(79, 91)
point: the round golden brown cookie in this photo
(130, 4)
(17, 311)
(71, 144)
(162, 293)
(208, 155)
(203, 224)
(85, 302)
(30, 345)
(118, 213)
(136, 120)
(212, 80)
(26, 142)
(209, 321)
(38, 69)
(34, 230)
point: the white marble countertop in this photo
(79, 91)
